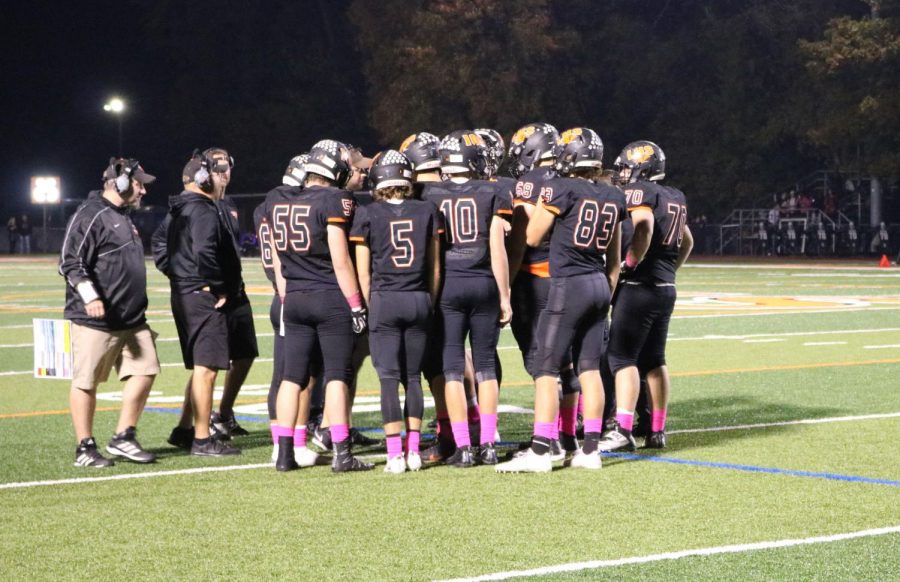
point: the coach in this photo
(102, 260)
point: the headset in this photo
(207, 165)
(120, 171)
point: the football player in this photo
(316, 280)
(585, 220)
(661, 243)
(397, 260)
(475, 296)
(291, 185)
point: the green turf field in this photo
(783, 460)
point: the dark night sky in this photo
(61, 61)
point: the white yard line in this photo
(882, 347)
(788, 423)
(763, 340)
(798, 312)
(784, 334)
(810, 344)
(732, 549)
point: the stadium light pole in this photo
(117, 107)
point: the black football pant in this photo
(470, 307)
(322, 317)
(640, 327)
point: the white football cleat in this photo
(395, 465)
(584, 460)
(529, 462)
(413, 461)
(305, 457)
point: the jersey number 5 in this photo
(404, 250)
(289, 226)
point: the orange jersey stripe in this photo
(537, 269)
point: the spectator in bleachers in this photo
(13, 231)
(24, 231)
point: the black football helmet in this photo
(462, 151)
(295, 175)
(495, 148)
(578, 147)
(532, 143)
(390, 168)
(643, 160)
(329, 159)
(421, 149)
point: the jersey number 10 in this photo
(462, 219)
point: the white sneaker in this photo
(395, 465)
(530, 462)
(584, 460)
(305, 457)
(413, 461)
(275, 452)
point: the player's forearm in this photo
(500, 264)
(434, 269)
(364, 270)
(614, 258)
(687, 245)
(640, 242)
(516, 247)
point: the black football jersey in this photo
(468, 210)
(283, 193)
(586, 217)
(300, 234)
(527, 191)
(363, 198)
(669, 208)
(398, 236)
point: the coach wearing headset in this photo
(102, 259)
(212, 313)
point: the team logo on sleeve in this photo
(347, 205)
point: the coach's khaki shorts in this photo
(95, 351)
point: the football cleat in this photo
(224, 428)
(87, 455)
(413, 461)
(439, 451)
(487, 454)
(656, 440)
(395, 465)
(182, 438)
(617, 439)
(359, 439)
(213, 448)
(125, 445)
(462, 458)
(305, 456)
(557, 452)
(529, 462)
(569, 443)
(582, 460)
(321, 437)
(286, 460)
(347, 463)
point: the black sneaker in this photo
(213, 448)
(224, 428)
(656, 440)
(87, 455)
(359, 439)
(462, 458)
(347, 463)
(641, 429)
(321, 437)
(183, 438)
(439, 451)
(286, 460)
(487, 454)
(125, 444)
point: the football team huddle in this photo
(404, 257)
(441, 248)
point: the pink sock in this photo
(625, 419)
(593, 425)
(412, 441)
(555, 429)
(488, 428)
(544, 429)
(300, 436)
(474, 414)
(581, 404)
(461, 434)
(659, 421)
(568, 418)
(394, 446)
(339, 433)
(281, 431)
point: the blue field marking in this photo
(755, 469)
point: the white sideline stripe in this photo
(881, 347)
(733, 549)
(824, 343)
(787, 423)
(799, 312)
(784, 334)
(763, 340)
(16, 345)
(28, 484)
(784, 267)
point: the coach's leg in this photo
(134, 398)
(202, 383)
(186, 420)
(234, 379)
(83, 403)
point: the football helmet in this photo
(421, 149)
(495, 148)
(530, 144)
(462, 151)
(643, 160)
(390, 168)
(295, 175)
(329, 159)
(578, 147)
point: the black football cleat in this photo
(656, 440)
(286, 460)
(462, 458)
(487, 454)
(182, 438)
(347, 463)
(214, 448)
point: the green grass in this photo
(445, 523)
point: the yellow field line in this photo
(526, 384)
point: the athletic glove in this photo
(359, 320)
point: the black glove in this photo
(625, 271)
(359, 320)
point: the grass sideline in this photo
(772, 343)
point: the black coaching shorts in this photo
(213, 337)
(640, 326)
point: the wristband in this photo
(355, 301)
(87, 291)
(630, 261)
